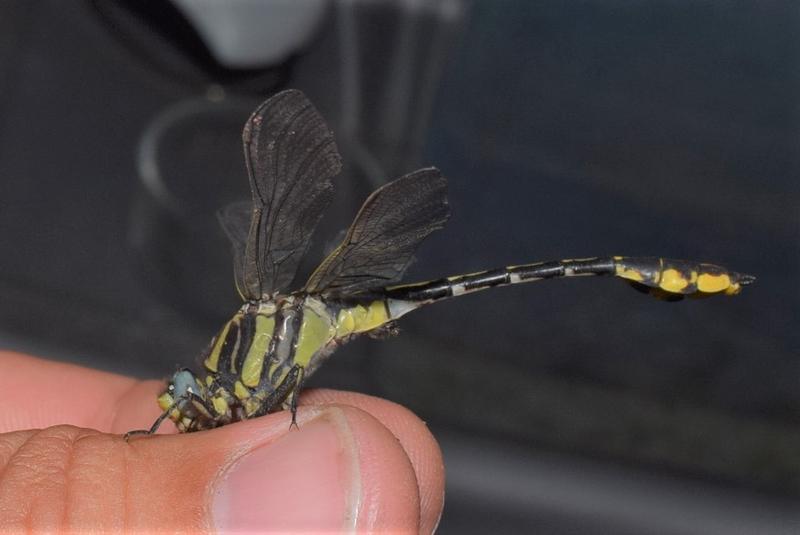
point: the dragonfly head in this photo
(178, 399)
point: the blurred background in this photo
(567, 129)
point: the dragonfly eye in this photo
(182, 383)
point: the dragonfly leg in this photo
(156, 424)
(205, 413)
(294, 396)
(281, 392)
(153, 428)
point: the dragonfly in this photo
(260, 359)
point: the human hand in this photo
(357, 463)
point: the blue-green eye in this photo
(183, 383)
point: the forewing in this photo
(235, 221)
(291, 157)
(387, 230)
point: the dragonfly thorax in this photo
(258, 360)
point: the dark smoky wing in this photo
(387, 230)
(291, 157)
(235, 221)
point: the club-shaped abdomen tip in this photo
(681, 277)
(737, 281)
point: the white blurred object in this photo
(244, 34)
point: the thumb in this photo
(342, 470)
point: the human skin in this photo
(356, 463)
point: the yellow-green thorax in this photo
(254, 353)
(293, 330)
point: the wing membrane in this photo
(291, 157)
(235, 221)
(387, 230)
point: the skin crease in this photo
(64, 465)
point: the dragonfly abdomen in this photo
(679, 276)
(663, 275)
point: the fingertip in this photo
(390, 499)
(415, 437)
(343, 470)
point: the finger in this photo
(40, 393)
(71, 394)
(415, 437)
(342, 470)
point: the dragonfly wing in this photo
(235, 221)
(291, 157)
(387, 230)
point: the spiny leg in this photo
(280, 393)
(294, 396)
(157, 423)
(153, 428)
(196, 400)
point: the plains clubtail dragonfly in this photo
(258, 362)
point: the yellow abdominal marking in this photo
(710, 284)
(630, 274)
(673, 281)
(360, 318)
(254, 361)
(463, 275)
(409, 285)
